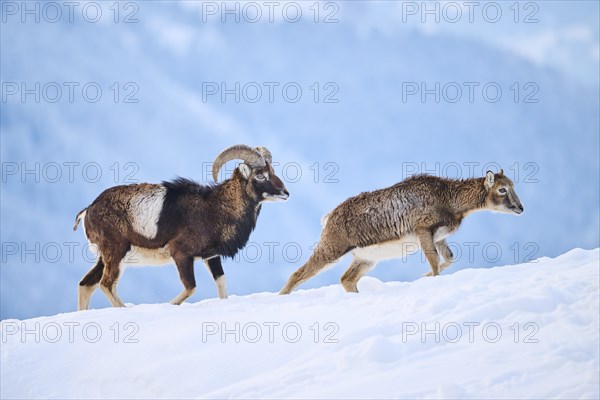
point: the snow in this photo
(522, 331)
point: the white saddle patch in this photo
(145, 211)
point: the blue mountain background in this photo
(369, 134)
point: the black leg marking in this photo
(94, 275)
(216, 269)
(88, 285)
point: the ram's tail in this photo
(79, 217)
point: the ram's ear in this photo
(244, 170)
(489, 180)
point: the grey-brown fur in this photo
(419, 212)
(178, 222)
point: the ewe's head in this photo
(256, 172)
(501, 195)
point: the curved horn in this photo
(237, 152)
(265, 153)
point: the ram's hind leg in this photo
(185, 266)
(112, 271)
(216, 269)
(88, 284)
(358, 268)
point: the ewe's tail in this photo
(79, 217)
(324, 219)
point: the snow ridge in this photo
(522, 331)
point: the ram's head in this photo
(256, 171)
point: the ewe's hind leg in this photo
(216, 269)
(444, 250)
(185, 266)
(112, 271)
(358, 268)
(320, 260)
(88, 284)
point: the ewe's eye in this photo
(260, 177)
(502, 190)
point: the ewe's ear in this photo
(244, 170)
(489, 180)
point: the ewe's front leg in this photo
(216, 269)
(428, 246)
(444, 251)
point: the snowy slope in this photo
(534, 334)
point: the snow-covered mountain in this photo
(522, 331)
(373, 136)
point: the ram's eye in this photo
(260, 177)
(502, 190)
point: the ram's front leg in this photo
(216, 269)
(185, 266)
